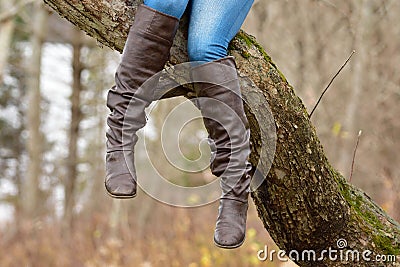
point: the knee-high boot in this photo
(146, 52)
(220, 102)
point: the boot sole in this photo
(120, 196)
(229, 247)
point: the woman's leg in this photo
(212, 25)
(145, 53)
(171, 7)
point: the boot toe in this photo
(230, 230)
(229, 238)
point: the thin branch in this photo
(354, 155)
(330, 83)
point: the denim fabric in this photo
(174, 8)
(212, 23)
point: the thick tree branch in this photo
(304, 203)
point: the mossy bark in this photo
(304, 203)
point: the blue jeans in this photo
(212, 23)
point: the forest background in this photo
(54, 79)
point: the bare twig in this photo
(330, 83)
(354, 155)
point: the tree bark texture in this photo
(304, 203)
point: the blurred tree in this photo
(35, 138)
(360, 39)
(93, 125)
(76, 117)
(304, 203)
(12, 141)
(6, 31)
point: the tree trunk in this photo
(304, 203)
(72, 160)
(34, 143)
(361, 45)
(98, 81)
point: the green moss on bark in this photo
(362, 211)
(251, 41)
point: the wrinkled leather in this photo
(229, 135)
(145, 53)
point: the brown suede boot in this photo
(146, 52)
(219, 99)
